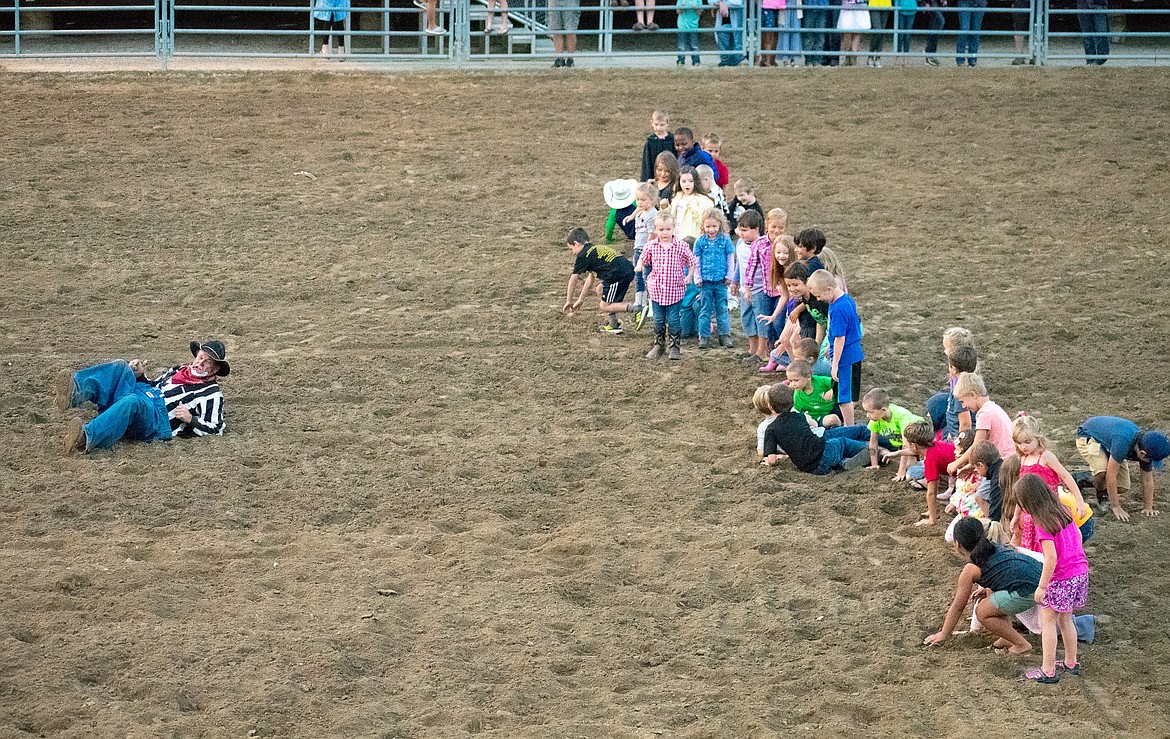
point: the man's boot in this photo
(675, 345)
(659, 347)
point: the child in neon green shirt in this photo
(886, 422)
(812, 394)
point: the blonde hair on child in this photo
(714, 214)
(760, 400)
(832, 263)
(970, 383)
(664, 216)
(712, 139)
(821, 280)
(777, 215)
(706, 174)
(957, 336)
(775, 269)
(876, 398)
(645, 189)
(744, 184)
(660, 115)
(1027, 427)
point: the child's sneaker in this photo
(1039, 676)
(608, 328)
(725, 341)
(640, 319)
(1062, 668)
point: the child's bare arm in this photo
(958, 604)
(873, 448)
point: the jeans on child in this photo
(970, 28)
(688, 41)
(763, 305)
(713, 299)
(903, 30)
(842, 443)
(816, 17)
(667, 315)
(729, 36)
(789, 44)
(128, 409)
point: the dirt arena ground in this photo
(441, 509)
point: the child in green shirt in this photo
(812, 394)
(886, 423)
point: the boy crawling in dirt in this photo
(613, 270)
(844, 447)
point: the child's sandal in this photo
(1039, 676)
(1062, 667)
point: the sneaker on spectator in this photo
(639, 26)
(558, 63)
(931, 61)
(651, 26)
(568, 61)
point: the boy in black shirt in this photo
(611, 267)
(844, 447)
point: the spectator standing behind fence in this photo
(935, 21)
(879, 20)
(970, 28)
(645, 12)
(1021, 20)
(330, 16)
(688, 30)
(854, 18)
(729, 31)
(816, 19)
(562, 17)
(770, 11)
(789, 47)
(504, 25)
(903, 27)
(1094, 21)
(430, 9)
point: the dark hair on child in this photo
(985, 452)
(964, 441)
(969, 534)
(797, 271)
(877, 398)
(1037, 499)
(780, 397)
(579, 235)
(682, 132)
(811, 238)
(696, 181)
(802, 367)
(750, 219)
(964, 359)
(919, 433)
(808, 347)
(1009, 476)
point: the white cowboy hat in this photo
(619, 193)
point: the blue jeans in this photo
(688, 41)
(640, 277)
(1094, 25)
(789, 46)
(970, 24)
(842, 443)
(128, 409)
(815, 19)
(1087, 529)
(667, 315)
(729, 36)
(763, 305)
(713, 299)
(905, 21)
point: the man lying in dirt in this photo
(182, 401)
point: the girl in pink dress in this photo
(1036, 459)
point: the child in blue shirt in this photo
(844, 340)
(716, 256)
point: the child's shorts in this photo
(1066, 596)
(1009, 603)
(848, 385)
(612, 292)
(747, 318)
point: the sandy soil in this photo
(441, 509)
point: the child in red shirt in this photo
(920, 442)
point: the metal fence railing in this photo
(758, 32)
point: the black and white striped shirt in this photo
(205, 403)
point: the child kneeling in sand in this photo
(844, 447)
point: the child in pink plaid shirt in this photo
(672, 267)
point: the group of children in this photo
(1006, 491)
